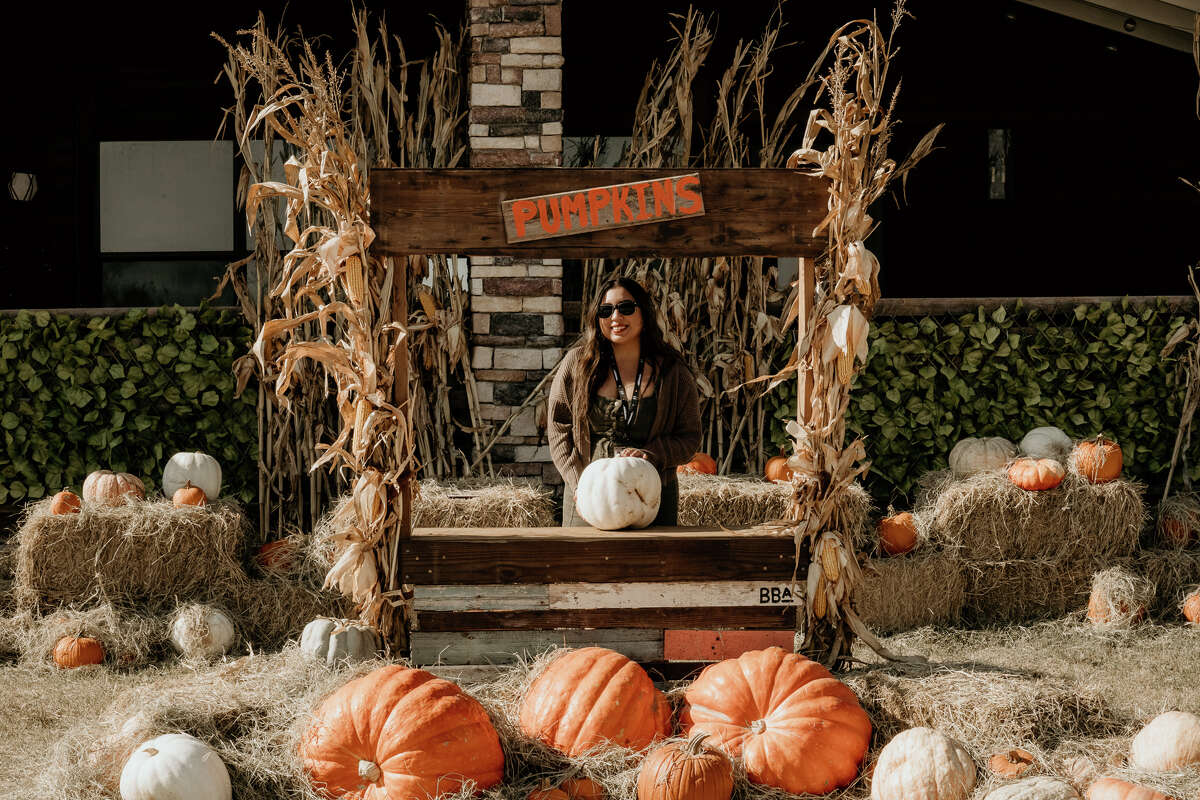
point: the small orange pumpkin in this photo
(1099, 613)
(65, 502)
(1036, 474)
(777, 469)
(898, 533)
(78, 651)
(277, 556)
(686, 771)
(583, 789)
(188, 495)
(1117, 789)
(701, 464)
(1011, 763)
(1191, 607)
(1098, 460)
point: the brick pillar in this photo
(516, 303)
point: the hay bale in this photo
(1023, 590)
(1172, 571)
(985, 517)
(8, 557)
(898, 594)
(483, 503)
(993, 709)
(742, 501)
(275, 609)
(1119, 598)
(140, 551)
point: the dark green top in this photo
(609, 432)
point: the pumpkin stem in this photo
(151, 751)
(369, 771)
(758, 726)
(695, 746)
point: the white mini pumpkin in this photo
(199, 469)
(112, 488)
(1040, 787)
(979, 455)
(923, 764)
(615, 493)
(176, 766)
(1047, 442)
(1169, 743)
(201, 632)
(338, 640)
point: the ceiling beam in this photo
(1113, 14)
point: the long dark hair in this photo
(595, 351)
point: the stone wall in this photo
(516, 303)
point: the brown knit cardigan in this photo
(674, 435)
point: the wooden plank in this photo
(515, 597)
(595, 208)
(766, 212)
(528, 597)
(505, 647)
(436, 556)
(770, 617)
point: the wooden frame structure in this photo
(481, 595)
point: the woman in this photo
(623, 391)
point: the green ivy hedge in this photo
(121, 393)
(931, 381)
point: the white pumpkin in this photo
(112, 488)
(615, 493)
(1047, 442)
(1169, 743)
(1040, 787)
(175, 766)
(979, 455)
(923, 764)
(337, 640)
(199, 469)
(202, 632)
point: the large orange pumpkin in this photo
(65, 502)
(78, 651)
(1117, 789)
(793, 725)
(1098, 460)
(591, 697)
(701, 463)
(898, 533)
(400, 733)
(685, 771)
(1036, 474)
(777, 469)
(1191, 607)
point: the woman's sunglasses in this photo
(626, 307)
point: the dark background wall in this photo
(1102, 127)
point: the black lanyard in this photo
(629, 408)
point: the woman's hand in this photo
(633, 452)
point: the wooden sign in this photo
(623, 205)
(747, 212)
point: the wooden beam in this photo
(765, 212)
(735, 617)
(585, 555)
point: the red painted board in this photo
(687, 645)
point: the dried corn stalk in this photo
(832, 347)
(330, 283)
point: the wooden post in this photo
(400, 398)
(806, 284)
